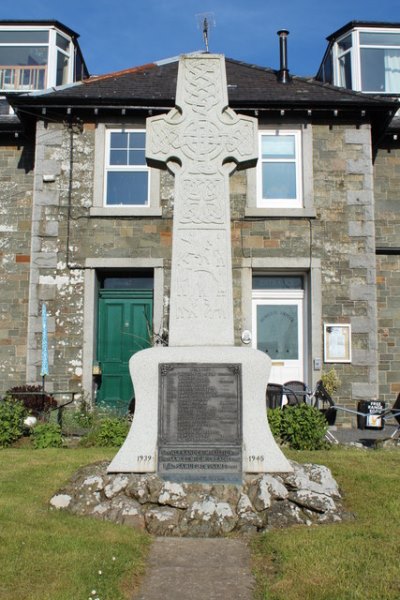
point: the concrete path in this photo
(197, 569)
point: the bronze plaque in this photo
(200, 424)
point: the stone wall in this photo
(344, 238)
(65, 236)
(387, 215)
(340, 235)
(16, 181)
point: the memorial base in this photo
(260, 453)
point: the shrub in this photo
(31, 397)
(302, 427)
(331, 381)
(12, 415)
(108, 431)
(46, 435)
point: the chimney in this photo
(283, 73)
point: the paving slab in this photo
(365, 437)
(195, 569)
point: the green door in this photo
(125, 320)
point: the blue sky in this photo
(118, 34)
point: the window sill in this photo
(284, 213)
(125, 211)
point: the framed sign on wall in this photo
(337, 342)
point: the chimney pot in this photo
(283, 73)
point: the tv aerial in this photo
(205, 21)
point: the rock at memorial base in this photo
(308, 499)
(308, 496)
(285, 514)
(162, 520)
(60, 501)
(209, 518)
(315, 478)
(173, 494)
(115, 485)
(144, 488)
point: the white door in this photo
(278, 324)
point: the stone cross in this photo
(201, 141)
(222, 432)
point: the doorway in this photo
(125, 322)
(278, 314)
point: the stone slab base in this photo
(307, 496)
(261, 454)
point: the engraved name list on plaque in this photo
(200, 427)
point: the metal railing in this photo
(23, 78)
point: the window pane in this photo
(277, 331)
(277, 282)
(23, 56)
(119, 140)
(380, 39)
(137, 157)
(127, 188)
(128, 283)
(118, 157)
(62, 42)
(278, 146)
(279, 181)
(380, 70)
(24, 37)
(345, 43)
(137, 139)
(345, 71)
(62, 69)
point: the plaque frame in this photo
(214, 460)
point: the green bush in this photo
(331, 381)
(107, 431)
(302, 427)
(12, 415)
(46, 435)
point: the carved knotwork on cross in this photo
(202, 142)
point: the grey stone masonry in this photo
(387, 218)
(16, 181)
(46, 251)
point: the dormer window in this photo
(36, 57)
(365, 59)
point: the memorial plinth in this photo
(221, 431)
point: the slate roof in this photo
(155, 85)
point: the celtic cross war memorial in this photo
(200, 402)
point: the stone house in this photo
(86, 225)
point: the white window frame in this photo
(123, 168)
(98, 209)
(356, 56)
(282, 202)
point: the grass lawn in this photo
(52, 555)
(357, 560)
